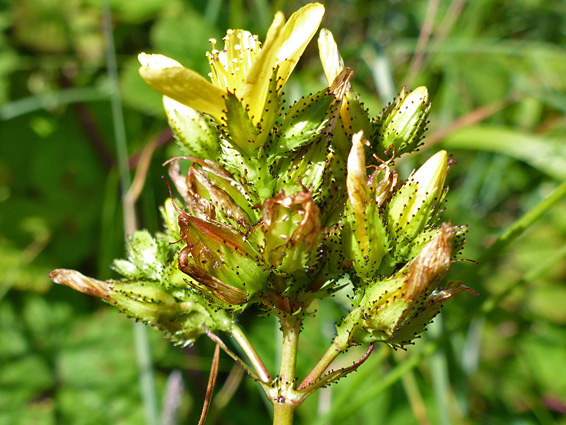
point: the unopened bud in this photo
(414, 204)
(402, 123)
(364, 236)
(397, 309)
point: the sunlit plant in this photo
(281, 206)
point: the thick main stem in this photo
(291, 327)
(284, 405)
(283, 413)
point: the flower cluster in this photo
(277, 205)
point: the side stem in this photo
(333, 351)
(252, 354)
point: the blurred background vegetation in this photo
(496, 72)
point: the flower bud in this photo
(415, 203)
(292, 233)
(181, 316)
(364, 236)
(306, 168)
(194, 132)
(397, 309)
(305, 122)
(403, 123)
(224, 264)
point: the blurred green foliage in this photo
(495, 72)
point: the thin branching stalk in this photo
(333, 351)
(241, 338)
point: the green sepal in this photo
(147, 257)
(243, 135)
(364, 239)
(194, 132)
(305, 169)
(359, 116)
(171, 228)
(271, 110)
(304, 122)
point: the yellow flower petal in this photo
(230, 66)
(332, 62)
(356, 184)
(333, 66)
(170, 78)
(284, 45)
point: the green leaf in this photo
(543, 153)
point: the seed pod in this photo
(292, 233)
(223, 263)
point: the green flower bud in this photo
(195, 133)
(403, 123)
(415, 203)
(292, 233)
(304, 122)
(364, 235)
(397, 309)
(180, 314)
(223, 263)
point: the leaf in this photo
(543, 153)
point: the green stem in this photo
(250, 351)
(284, 403)
(291, 326)
(333, 351)
(283, 413)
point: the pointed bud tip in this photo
(80, 282)
(420, 93)
(433, 172)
